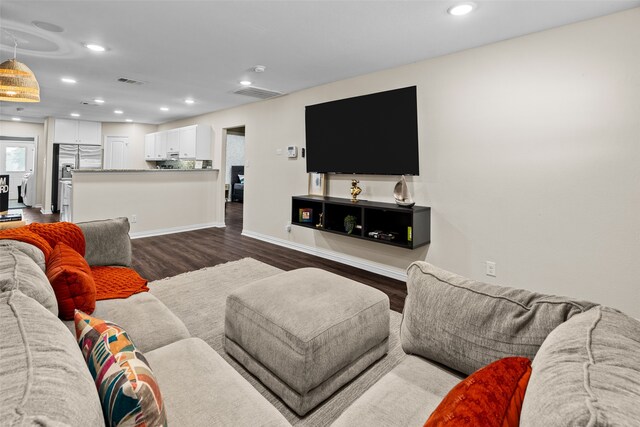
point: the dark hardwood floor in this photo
(164, 256)
(168, 255)
(30, 215)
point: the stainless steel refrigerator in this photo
(67, 157)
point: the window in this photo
(16, 159)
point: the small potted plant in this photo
(350, 222)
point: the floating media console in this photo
(380, 222)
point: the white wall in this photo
(135, 132)
(36, 130)
(162, 201)
(529, 157)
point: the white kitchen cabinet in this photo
(195, 142)
(68, 131)
(155, 146)
(173, 140)
(161, 146)
(189, 142)
(150, 146)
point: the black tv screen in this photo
(371, 134)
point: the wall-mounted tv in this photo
(372, 134)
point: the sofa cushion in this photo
(23, 234)
(19, 272)
(587, 373)
(149, 323)
(57, 232)
(490, 397)
(107, 242)
(72, 281)
(204, 390)
(128, 390)
(29, 250)
(466, 324)
(43, 378)
(406, 396)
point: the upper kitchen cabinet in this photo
(68, 131)
(173, 140)
(189, 143)
(155, 146)
(195, 142)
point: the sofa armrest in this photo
(107, 242)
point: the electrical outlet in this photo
(491, 268)
(134, 219)
(287, 227)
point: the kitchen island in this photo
(156, 201)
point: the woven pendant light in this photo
(18, 83)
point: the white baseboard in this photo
(162, 231)
(45, 211)
(373, 267)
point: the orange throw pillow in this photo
(23, 234)
(72, 282)
(65, 232)
(490, 397)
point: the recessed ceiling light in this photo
(245, 83)
(128, 120)
(16, 119)
(164, 108)
(68, 80)
(118, 111)
(94, 47)
(98, 101)
(189, 101)
(75, 115)
(461, 9)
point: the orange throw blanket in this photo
(117, 282)
(23, 234)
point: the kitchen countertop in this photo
(139, 170)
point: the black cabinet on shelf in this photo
(381, 222)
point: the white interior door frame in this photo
(116, 152)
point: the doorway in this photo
(18, 160)
(234, 175)
(116, 152)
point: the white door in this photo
(16, 159)
(116, 152)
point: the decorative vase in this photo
(402, 195)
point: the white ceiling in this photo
(202, 49)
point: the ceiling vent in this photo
(257, 92)
(129, 81)
(89, 103)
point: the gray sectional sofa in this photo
(586, 358)
(45, 381)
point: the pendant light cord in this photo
(15, 43)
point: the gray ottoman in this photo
(305, 333)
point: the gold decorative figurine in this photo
(355, 190)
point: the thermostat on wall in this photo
(292, 151)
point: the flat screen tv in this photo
(372, 134)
